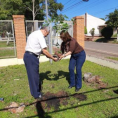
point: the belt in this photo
(31, 53)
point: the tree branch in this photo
(37, 14)
(29, 9)
(36, 6)
(37, 10)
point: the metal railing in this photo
(7, 39)
(31, 26)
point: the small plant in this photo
(92, 31)
(58, 23)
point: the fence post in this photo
(20, 35)
(78, 30)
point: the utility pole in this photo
(46, 9)
(49, 43)
(33, 9)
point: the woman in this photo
(71, 47)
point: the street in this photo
(101, 49)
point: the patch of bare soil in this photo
(80, 96)
(51, 100)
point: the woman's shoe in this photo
(77, 89)
(70, 87)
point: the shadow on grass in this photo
(48, 76)
(114, 116)
(41, 113)
(115, 91)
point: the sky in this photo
(96, 8)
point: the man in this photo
(35, 46)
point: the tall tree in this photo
(113, 20)
(25, 7)
(9, 8)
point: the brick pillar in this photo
(20, 35)
(78, 30)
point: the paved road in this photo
(101, 50)
(102, 47)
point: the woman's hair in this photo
(65, 36)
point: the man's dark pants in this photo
(32, 66)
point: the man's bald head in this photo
(45, 30)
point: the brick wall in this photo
(20, 36)
(78, 30)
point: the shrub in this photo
(107, 32)
(85, 30)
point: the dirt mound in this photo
(95, 80)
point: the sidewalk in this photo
(103, 61)
(100, 61)
(15, 61)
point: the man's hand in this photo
(55, 59)
(48, 55)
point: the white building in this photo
(93, 22)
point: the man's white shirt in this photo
(36, 42)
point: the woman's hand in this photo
(62, 56)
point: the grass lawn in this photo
(113, 58)
(7, 53)
(6, 50)
(99, 103)
(4, 44)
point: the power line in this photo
(96, 2)
(73, 5)
(105, 10)
(67, 2)
(88, 5)
(100, 2)
(70, 3)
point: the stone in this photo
(87, 76)
(15, 108)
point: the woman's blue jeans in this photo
(77, 61)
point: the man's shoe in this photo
(77, 89)
(70, 87)
(39, 98)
